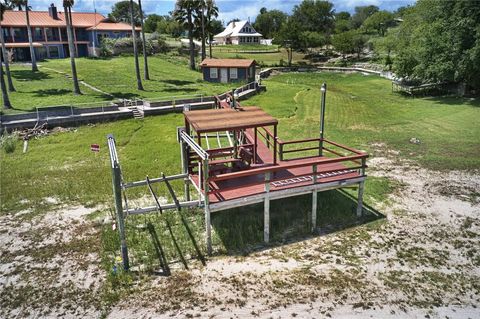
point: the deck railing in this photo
(350, 163)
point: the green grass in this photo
(362, 110)
(264, 59)
(244, 47)
(170, 76)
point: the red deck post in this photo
(275, 145)
(255, 146)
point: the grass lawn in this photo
(45, 88)
(246, 47)
(361, 110)
(264, 59)
(170, 76)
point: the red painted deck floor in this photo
(288, 178)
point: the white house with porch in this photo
(238, 32)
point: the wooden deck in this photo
(287, 174)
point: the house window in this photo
(233, 73)
(37, 34)
(53, 52)
(213, 73)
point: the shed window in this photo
(233, 73)
(213, 73)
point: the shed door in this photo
(223, 75)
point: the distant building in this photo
(228, 70)
(49, 33)
(239, 32)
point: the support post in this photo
(266, 210)
(274, 145)
(361, 186)
(117, 192)
(314, 200)
(322, 117)
(255, 145)
(186, 181)
(208, 226)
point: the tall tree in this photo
(202, 22)
(67, 6)
(3, 87)
(361, 14)
(439, 41)
(212, 24)
(121, 12)
(184, 13)
(135, 49)
(144, 44)
(269, 23)
(315, 15)
(379, 21)
(21, 4)
(11, 88)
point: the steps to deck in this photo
(137, 114)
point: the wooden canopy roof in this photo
(217, 120)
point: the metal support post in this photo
(186, 181)
(208, 226)
(322, 117)
(361, 186)
(266, 210)
(117, 192)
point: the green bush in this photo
(8, 142)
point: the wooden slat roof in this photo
(217, 120)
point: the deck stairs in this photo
(137, 114)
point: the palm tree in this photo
(211, 12)
(67, 6)
(20, 4)
(184, 14)
(201, 15)
(135, 50)
(144, 44)
(11, 88)
(5, 98)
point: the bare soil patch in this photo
(421, 261)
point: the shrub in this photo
(8, 142)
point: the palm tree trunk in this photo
(210, 45)
(135, 50)
(204, 55)
(6, 100)
(11, 88)
(30, 40)
(144, 45)
(71, 48)
(190, 37)
(75, 53)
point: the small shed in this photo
(228, 70)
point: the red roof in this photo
(79, 19)
(224, 63)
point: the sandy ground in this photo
(421, 261)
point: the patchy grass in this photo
(362, 110)
(263, 58)
(170, 77)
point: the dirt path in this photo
(422, 261)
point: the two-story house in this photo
(238, 32)
(49, 33)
